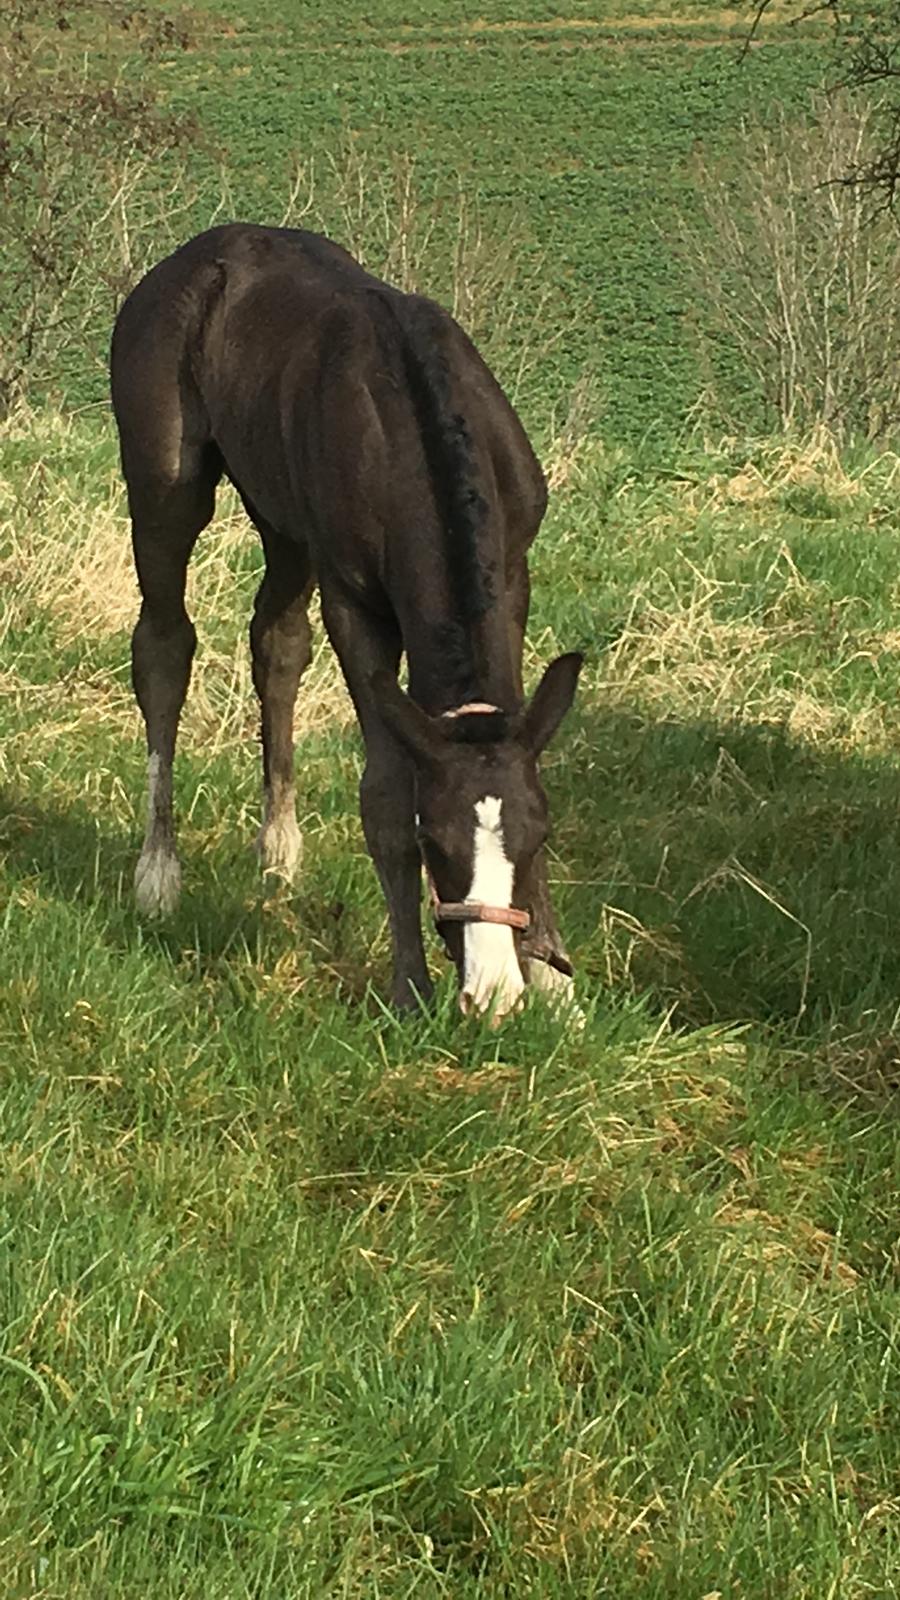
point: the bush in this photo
(77, 137)
(800, 273)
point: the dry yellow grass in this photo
(68, 557)
(65, 556)
(814, 462)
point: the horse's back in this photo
(272, 344)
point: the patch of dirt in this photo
(627, 23)
(706, 23)
(579, 33)
(570, 45)
(698, 30)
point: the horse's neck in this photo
(450, 666)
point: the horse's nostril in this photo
(466, 1003)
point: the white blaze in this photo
(491, 975)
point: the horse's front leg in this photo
(366, 645)
(545, 962)
(544, 959)
(387, 806)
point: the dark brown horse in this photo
(378, 458)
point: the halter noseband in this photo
(474, 910)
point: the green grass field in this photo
(573, 141)
(299, 1299)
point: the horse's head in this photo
(482, 819)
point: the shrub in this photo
(799, 272)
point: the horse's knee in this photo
(162, 651)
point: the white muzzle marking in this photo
(492, 979)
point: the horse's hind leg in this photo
(166, 520)
(280, 645)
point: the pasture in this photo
(299, 1299)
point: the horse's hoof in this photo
(279, 846)
(411, 998)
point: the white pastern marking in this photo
(157, 876)
(491, 975)
(157, 882)
(280, 841)
(558, 990)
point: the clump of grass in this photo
(811, 470)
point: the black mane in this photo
(478, 727)
(452, 462)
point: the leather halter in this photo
(474, 910)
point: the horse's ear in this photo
(412, 727)
(550, 701)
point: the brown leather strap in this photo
(474, 911)
(543, 952)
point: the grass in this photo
(298, 1299)
(577, 143)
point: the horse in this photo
(378, 458)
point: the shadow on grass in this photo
(225, 908)
(732, 870)
(728, 870)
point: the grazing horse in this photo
(378, 458)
